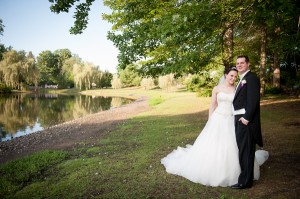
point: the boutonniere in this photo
(243, 82)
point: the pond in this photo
(22, 114)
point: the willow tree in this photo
(13, 67)
(17, 69)
(84, 74)
(32, 74)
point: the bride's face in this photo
(231, 77)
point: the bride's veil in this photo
(222, 80)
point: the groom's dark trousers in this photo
(246, 145)
(247, 97)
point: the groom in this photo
(246, 104)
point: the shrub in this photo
(147, 83)
(116, 82)
(273, 90)
(4, 88)
(167, 81)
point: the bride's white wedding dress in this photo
(213, 158)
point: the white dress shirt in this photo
(240, 111)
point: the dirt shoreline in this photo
(87, 129)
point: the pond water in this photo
(22, 114)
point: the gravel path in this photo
(70, 134)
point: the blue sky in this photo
(31, 26)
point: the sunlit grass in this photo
(156, 101)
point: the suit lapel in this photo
(238, 89)
(240, 85)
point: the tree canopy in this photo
(81, 13)
(183, 36)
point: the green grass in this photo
(18, 174)
(126, 162)
(156, 101)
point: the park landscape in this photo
(171, 55)
(122, 160)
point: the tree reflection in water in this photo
(22, 114)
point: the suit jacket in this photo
(247, 96)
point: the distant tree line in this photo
(21, 70)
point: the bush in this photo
(273, 90)
(116, 82)
(4, 88)
(167, 81)
(204, 81)
(148, 83)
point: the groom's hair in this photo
(244, 56)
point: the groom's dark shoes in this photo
(240, 186)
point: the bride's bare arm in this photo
(213, 102)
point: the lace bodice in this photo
(224, 103)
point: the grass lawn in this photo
(126, 162)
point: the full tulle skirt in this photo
(213, 158)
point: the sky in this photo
(31, 26)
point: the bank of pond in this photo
(25, 113)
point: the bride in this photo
(213, 159)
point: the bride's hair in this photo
(230, 68)
(226, 71)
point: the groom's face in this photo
(241, 65)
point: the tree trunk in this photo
(276, 71)
(262, 73)
(228, 45)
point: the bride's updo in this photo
(230, 68)
(226, 71)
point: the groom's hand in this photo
(244, 121)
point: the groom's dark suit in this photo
(247, 97)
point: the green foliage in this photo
(81, 14)
(199, 83)
(15, 174)
(105, 80)
(3, 49)
(18, 68)
(205, 81)
(130, 76)
(290, 77)
(1, 28)
(176, 36)
(49, 67)
(273, 90)
(4, 88)
(165, 35)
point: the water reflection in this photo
(21, 114)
